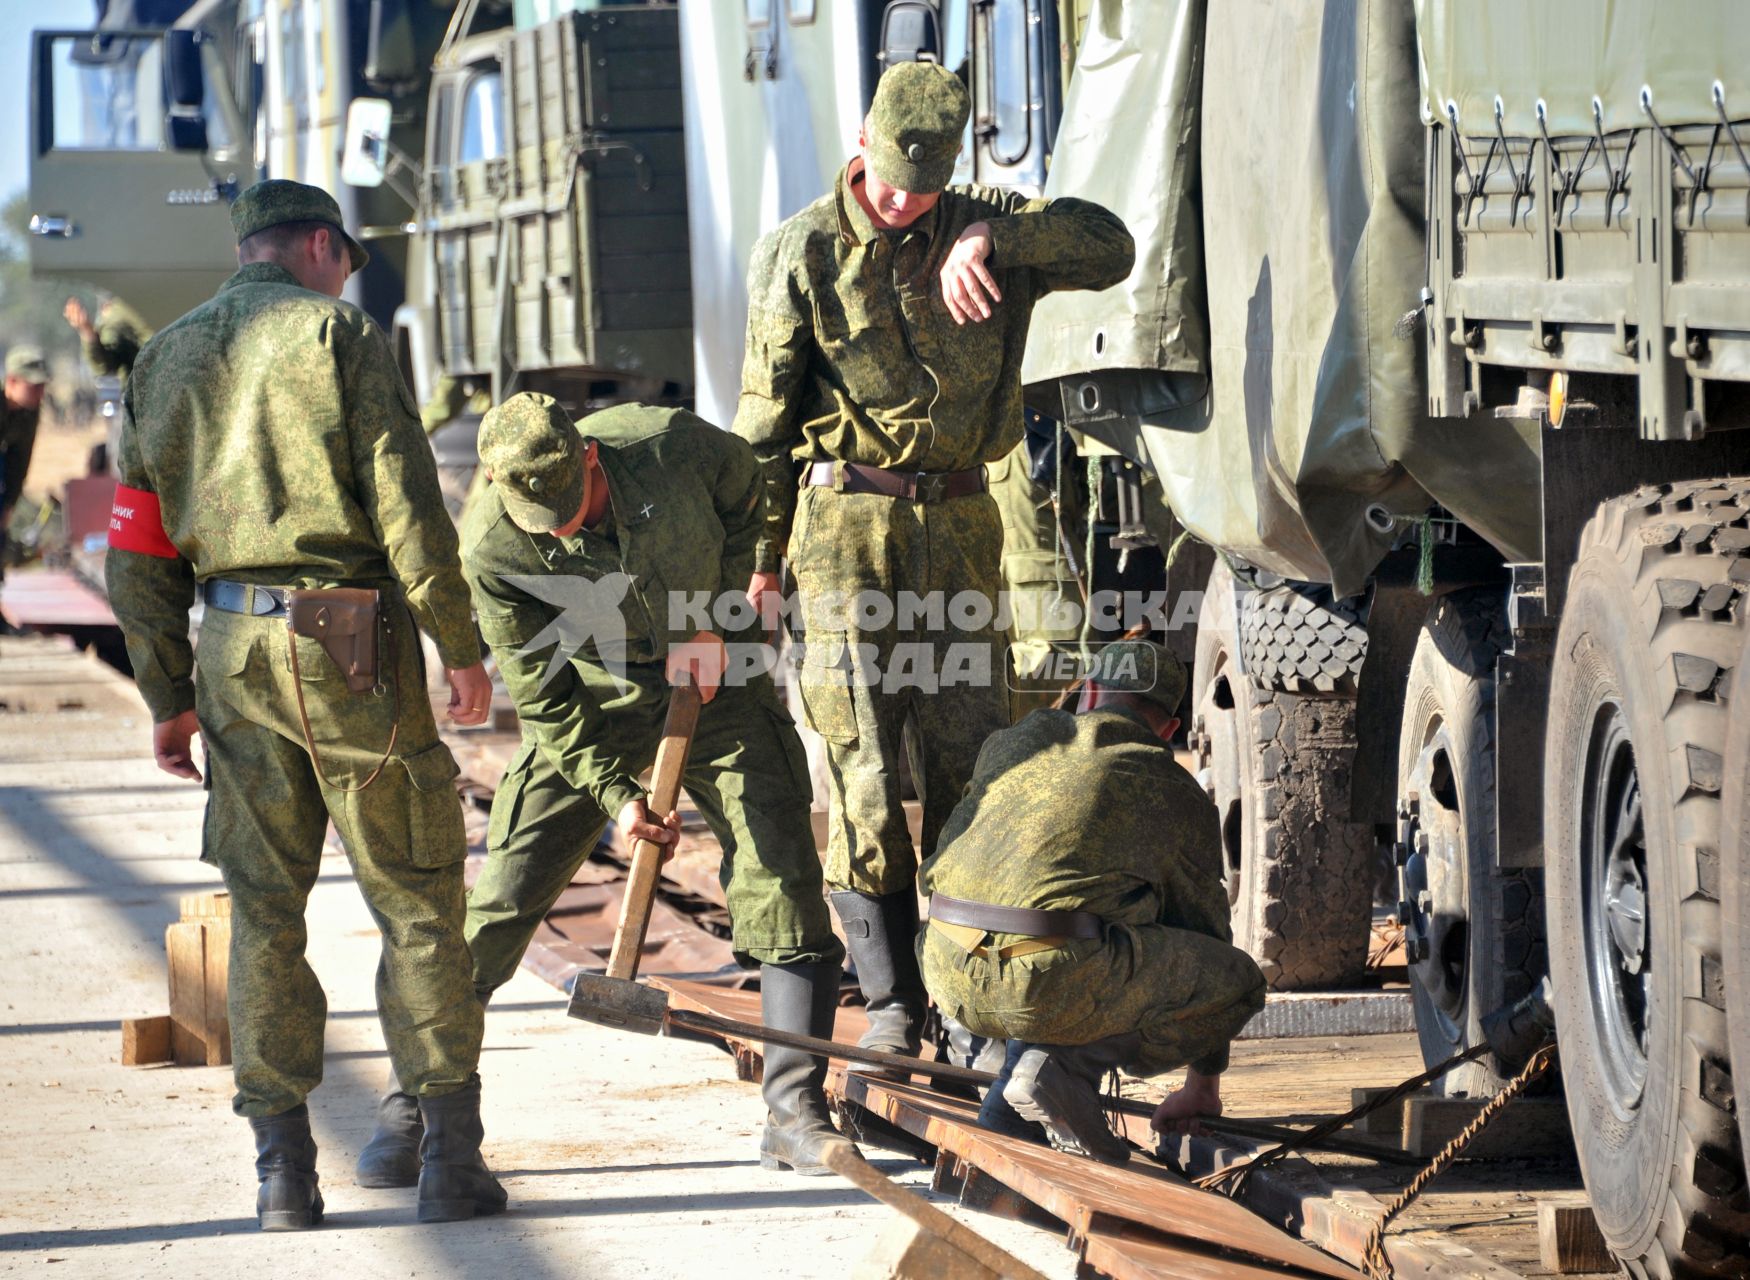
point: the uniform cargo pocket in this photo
(434, 819)
(827, 695)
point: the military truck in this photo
(141, 137)
(1439, 335)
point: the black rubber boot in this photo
(882, 934)
(454, 1182)
(997, 1115)
(1058, 1086)
(391, 1157)
(799, 998)
(285, 1161)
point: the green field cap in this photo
(27, 363)
(535, 455)
(915, 126)
(279, 200)
(1142, 668)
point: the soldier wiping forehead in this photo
(27, 377)
(578, 551)
(886, 326)
(270, 444)
(1078, 913)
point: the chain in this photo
(1374, 1260)
(1233, 1178)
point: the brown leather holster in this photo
(343, 620)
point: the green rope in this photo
(1425, 563)
(1178, 544)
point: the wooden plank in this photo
(185, 945)
(1569, 1241)
(216, 1022)
(145, 1041)
(1533, 1128)
(906, 1251)
(202, 906)
(1125, 1253)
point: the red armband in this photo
(137, 524)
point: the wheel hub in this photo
(1615, 906)
(1433, 902)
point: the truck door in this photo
(112, 200)
(466, 164)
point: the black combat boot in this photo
(454, 1182)
(1058, 1086)
(799, 998)
(882, 934)
(997, 1115)
(391, 1157)
(285, 1161)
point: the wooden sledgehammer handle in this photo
(665, 791)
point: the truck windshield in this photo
(482, 120)
(106, 93)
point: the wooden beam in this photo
(145, 1041)
(1535, 1128)
(1568, 1240)
(185, 945)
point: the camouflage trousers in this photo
(1040, 578)
(1185, 993)
(866, 676)
(266, 818)
(746, 773)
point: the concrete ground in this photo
(624, 1156)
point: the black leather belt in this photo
(245, 598)
(917, 486)
(1021, 920)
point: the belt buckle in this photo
(929, 486)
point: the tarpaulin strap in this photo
(137, 524)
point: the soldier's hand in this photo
(967, 285)
(173, 746)
(470, 694)
(76, 315)
(1180, 1110)
(703, 658)
(636, 821)
(765, 595)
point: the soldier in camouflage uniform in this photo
(1078, 912)
(592, 537)
(270, 443)
(112, 343)
(885, 331)
(27, 377)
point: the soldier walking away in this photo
(885, 331)
(27, 379)
(576, 551)
(272, 461)
(1077, 911)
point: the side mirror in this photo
(364, 156)
(185, 91)
(391, 61)
(911, 31)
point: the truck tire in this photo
(1277, 766)
(1299, 639)
(1632, 775)
(1475, 933)
(1735, 883)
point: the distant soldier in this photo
(113, 342)
(1077, 911)
(271, 452)
(885, 330)
(453, 398)
(27, 378)
(580, 549)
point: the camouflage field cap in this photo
(915, 126)
(535, 455)
(280, 200)
(1143, 668)
(27, 363)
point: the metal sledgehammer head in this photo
(1517, 1031)
(618, 1003)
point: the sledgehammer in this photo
(607, 991)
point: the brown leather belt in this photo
(917, 486)
(1022, 920)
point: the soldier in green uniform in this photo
(27, 377)
(1077, 911)
(885, 330)
(270, 443)
(584, 553)
(112, 342)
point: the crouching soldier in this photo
(1077, 911)
(585, 535)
